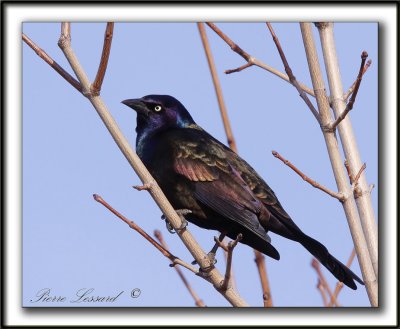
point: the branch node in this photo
(64, 41)
(328, 128)
(147, 186)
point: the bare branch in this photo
(339, 285)
(321, 288)
(231, 245)
(98, 81)
(363, 167)
(351, 89)
(196, 298)
(262, 270)
(322, 281)
(217, 86)
(43, 55)
(350, 104)
(292, 78)
(252, 60)
(137, 228)
(315, 184)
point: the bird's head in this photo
(159, 112)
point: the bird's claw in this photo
(183, 225)
(169, 227)
(184, 222)
(211, 257)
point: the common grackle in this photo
(224, 193)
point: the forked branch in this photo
(252, 60)
(43, 55)
(292, 78)
(350, 104)
(229, 249)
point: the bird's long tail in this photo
(337, 268)
(290, 230)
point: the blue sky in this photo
(70, 242)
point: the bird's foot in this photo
(182, 213)
(213, 251)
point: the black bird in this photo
(224, 193)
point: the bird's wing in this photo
(218, 184)
(258, 186)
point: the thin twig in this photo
(354, 186)
(196, 298)
(350, 104)
(252, 60)
(315, 184)
(144, 187)
(363, 167)
(240, 68)
(351, 89)
(322, 280)
(98, 81)
(134, 226)
(339, 285)
(262, 270)
(231, 245)
(43, 55)
(217, 86)
(321, 289)
(292, 78)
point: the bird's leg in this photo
(213, 251)
(182, 213)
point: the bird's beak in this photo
(137, 104)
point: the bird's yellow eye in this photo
(157, 108)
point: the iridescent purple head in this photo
(156, 113)
(159, 112)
